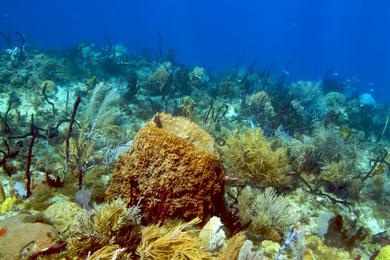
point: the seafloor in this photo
(111, 155)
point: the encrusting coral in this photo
(250, 157)
(174, 167)
(22, 235)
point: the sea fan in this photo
(102, 111)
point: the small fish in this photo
(157, 121)
(355, 79)
(252, 124)
(267, 132)
(3, 231)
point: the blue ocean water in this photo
(352, 37)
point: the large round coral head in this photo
(174, 167)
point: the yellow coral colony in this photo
(249, 156)
(7, 205)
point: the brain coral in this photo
(174, 167)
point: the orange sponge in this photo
(173, 167)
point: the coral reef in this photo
(173, 167)
(311, 183)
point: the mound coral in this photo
(61, 214)
(174, 167)
(23, 235)
(250, 157)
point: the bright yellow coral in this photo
(249, 156)
(384, 253)
(7, 205)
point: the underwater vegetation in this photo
(106, 154)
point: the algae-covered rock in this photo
(212, 234)
(22, 237)
(61, 214)
(174, 167)
(270, 248)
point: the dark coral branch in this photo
(318, 192)
(7, 155)
(49, 251)
(22, 41)
(46, 98)
(376, 163)
(28, 162)
(71, 122)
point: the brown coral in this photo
(174, 167)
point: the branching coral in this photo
(301, 149)
(233, 246)
(158, 82)
(80, 149)
(336, 172)
(174, 242)
(330, 146)
(307, 98)
(260, 107)
(111, 223)
(240, 248)
(102, 112)
(269, 214)
(249, 156)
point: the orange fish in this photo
(3, 231)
